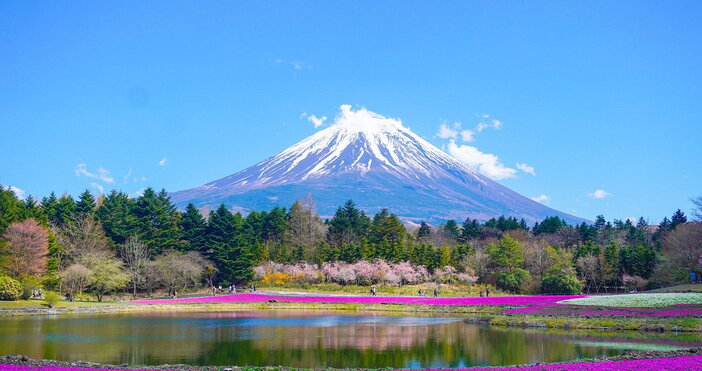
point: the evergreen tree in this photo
(64, 211)
(677, 219)
(116, 216)
(229, 249)
(471, 230)
(451, 227)
(349, 225)
(11, 208)
(86, 204)
(194, 229)
(158, 221)
(424, 230)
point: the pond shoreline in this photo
(489, 315)
(691, 355)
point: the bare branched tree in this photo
(136, 256)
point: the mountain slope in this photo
(377, 162)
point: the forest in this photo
(115, 243)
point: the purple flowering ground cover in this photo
(652, 364)
(259, 298)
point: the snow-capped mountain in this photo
(377, 162)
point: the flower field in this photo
(640, 300)
(259, 298)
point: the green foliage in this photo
(107, 275)
(561, 284)
(349, 225)
(549, 225)
(10, 289)
(115, 215)
(194, 229)
(229, 246)
(158, 221)
(51, 298)
(86, 204)
(512, 280)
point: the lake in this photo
(286, 338)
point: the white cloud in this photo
(485, 163)
(541, 198)
(98, 187)
(299, 65)
(102, 174)
(163, 162)
(126, 177)
(495, 124)
(19, 192)
(140, 192)
(526, 168)
(599, 194)
(316, 121)
(445, 132)
(467, 136)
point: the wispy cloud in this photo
(19, 192)
(599, 194)
(541, 198)
(126, 177)
(99, 187)
(485, 163)
(446, 132)
(467, 135)
(101, 174)
(526, 168)
(495, 124)
(163, 162)
(316, 121)
(299, 65)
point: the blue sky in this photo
(592, 95)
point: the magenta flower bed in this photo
(678, 310)
(257, 298)
(654, 364)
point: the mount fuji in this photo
(378, 163)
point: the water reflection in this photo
(306, 340)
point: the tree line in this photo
(145, 244)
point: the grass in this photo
(630, 324)
(680, 288)
(639, 300)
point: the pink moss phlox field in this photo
(653, 364)
(677, 310)
(258, 298)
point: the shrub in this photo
(561, 284)
(276, 279)
(29, 284)
(512, 281)
(10, 289)
(51, 298)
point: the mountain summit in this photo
(377, 162)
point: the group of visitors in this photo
(231, 289)
(485, 294)
(38, 294)
(695, 277)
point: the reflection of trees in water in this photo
(452, 345)
(215, 340)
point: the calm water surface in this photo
(307, 340)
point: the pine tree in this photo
(424, 230)
(158, 221)
(229, 249)
(471, 230)
(64, 211)
(349, 225)
(194, 229)
(86, 204)
(677, 219)
(117, 217)
(11, 208)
